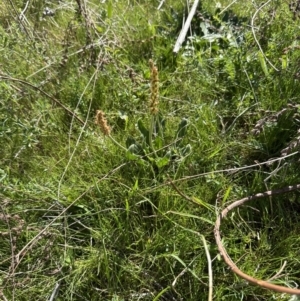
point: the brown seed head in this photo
(154, 102)
(102, 122)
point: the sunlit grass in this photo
(94, 219)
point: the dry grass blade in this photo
(210, 273)
(23, 82)
(22, 252)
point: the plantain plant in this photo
(153, 147)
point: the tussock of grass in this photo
(87, 216)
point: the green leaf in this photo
(129, 141)
(136, 149)
(230, 68)
(136, 185)
(204, 27)
(263, 64)
(193, 216)
(169, 154)
(181, 131)
(204, 204)
(215, 152)
(158, 142)
(185, 151)
(152, 29)
(161, 162)
(143, 131)
(109, 9)
(122, 120)
(284, 62)
(227, 194)
(127, 206)
(131, 156)
(99, 29)
(183, 263)
(160, 124)
(161, 293)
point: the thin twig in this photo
(44, 93)
(160, 4)
(230, 4)
(22, 14)
(180, 192)
(229, 170)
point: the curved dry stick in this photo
(228, 260)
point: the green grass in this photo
(85, 216)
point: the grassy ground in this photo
(87, 209)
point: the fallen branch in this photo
(185, 28)
(228, 260)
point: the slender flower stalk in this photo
(154, 102)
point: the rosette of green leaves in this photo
(152, 146)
